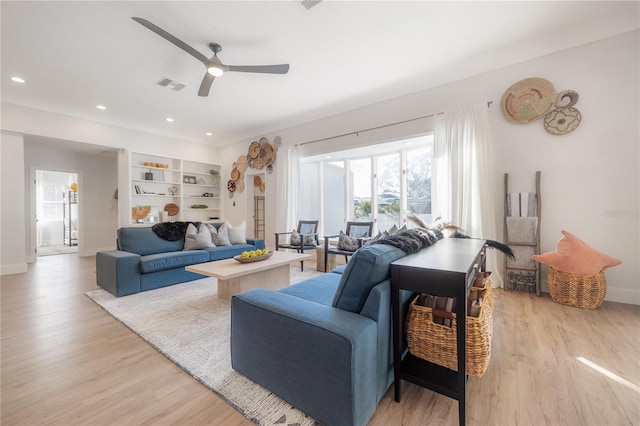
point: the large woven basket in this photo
(437, 343)
(581, 291)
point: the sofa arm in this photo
(118, 272)
(318, 358)
(257, 242)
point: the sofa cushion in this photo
(163, 261)
(226, 252)
(319, 289)
(143, 241)
(368, 267)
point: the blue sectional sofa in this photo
(324, 345)
(144, 261)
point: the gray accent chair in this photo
(308, 230)
(358, 230)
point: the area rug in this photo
(189, 325)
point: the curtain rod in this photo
(377, 127)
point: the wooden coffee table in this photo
(235, 277)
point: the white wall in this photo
(590, 180)
(13, 205)
(97, 182)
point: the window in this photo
(388, 190)
(379, 183)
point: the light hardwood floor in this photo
(65, 361)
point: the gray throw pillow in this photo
(220, 236)
(347, 243)
(294, 240)
(196, 239)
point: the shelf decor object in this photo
(176, 184)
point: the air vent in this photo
(308, 4)
(173, 85)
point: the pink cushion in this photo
(575, 257)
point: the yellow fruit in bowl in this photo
(244, 254)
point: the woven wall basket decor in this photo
(528, 100)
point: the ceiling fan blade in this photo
(267, 69)
(205, 86)
(173, 39)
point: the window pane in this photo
(419, 182)
(361, 189)
(333, 191)
(388, 191)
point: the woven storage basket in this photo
(437, 343)
(581, 291)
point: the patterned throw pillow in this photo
(294, 240)
(219, 236)
(347, 243)
(195, 239)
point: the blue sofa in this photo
(324, 345)
(144, 261)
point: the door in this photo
(56, 213)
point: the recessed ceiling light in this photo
(209, 134)
(17, 79)
(327, 156)
(408, 143)
(169, 119)
(102, 107)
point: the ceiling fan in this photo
(215, 67)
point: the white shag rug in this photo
(188, 324)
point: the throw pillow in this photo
(347, 243)
(575, 257)
(196, 239)
(220, 236)
(294, 240)
(237, 234)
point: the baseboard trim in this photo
(623, 295)
(92, 252)
(19, 268)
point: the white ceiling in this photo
(343, 55)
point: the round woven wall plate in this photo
(527, 100)
(254, 150)
(562, 120)
(242, 163)
(235, 174)
(257, 180)
(267, 153)
(240, 185)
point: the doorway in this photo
(57, 219)
(256, 206)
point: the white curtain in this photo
(462, 161)
(288, 187)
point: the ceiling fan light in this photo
(215, 71)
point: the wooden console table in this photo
(447, 268)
